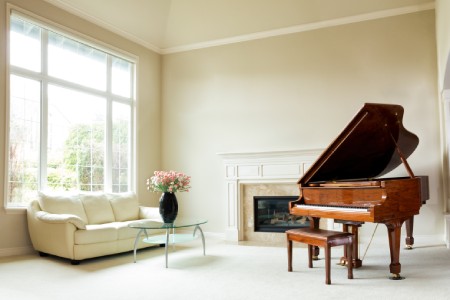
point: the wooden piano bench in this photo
(321, 238)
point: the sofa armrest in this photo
(51, 233)
(146, 212)
(60, 219)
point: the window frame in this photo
(45, 80)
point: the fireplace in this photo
(271, 214)
(258, 173)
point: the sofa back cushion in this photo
(97, 207)
(125, 206)
(62, 204)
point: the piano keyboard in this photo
(333, 208)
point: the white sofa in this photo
(81, 226)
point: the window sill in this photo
(18, 210)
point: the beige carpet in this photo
(228, 271)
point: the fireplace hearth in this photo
(271, 214)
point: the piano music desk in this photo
(321, 238)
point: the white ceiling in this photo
(174, 25)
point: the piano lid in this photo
(366, 148)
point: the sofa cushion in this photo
(98, 233)
(97, 207)
(125, 206)
(62, 204)
(124, 232)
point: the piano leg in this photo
(409, 233)
(314, 223)
(394, 230)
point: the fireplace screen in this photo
(271, 214)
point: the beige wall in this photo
(297, 92)
(13, 231)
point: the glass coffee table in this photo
(170, 237)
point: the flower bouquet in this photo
(168, 182)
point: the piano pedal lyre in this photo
(315, 253)
(351, 227)
(342, 262)
(396, 277)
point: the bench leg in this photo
(310, 255)
(327, 264)
(289, 255)
(350, 253)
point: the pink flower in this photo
(168, 181)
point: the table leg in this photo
(137, 240)
(167, 246)
(203, 237)
(173, 239)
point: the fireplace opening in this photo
(271, 214)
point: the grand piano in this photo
(346, 183)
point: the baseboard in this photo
(419, 240)
(447, 230)
(16, 251)
(215, 235)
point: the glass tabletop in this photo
(178, 223)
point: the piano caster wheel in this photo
(315, 257)
(408, 247)
(396, 277)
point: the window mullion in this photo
(131, 145)
(44, 112)
(108, 131)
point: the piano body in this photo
(345, 182)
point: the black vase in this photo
(168, 207)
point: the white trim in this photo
(214, 235)
(17, 210)
(445, 97)
(46, 80)
(245, 37)
(302, 28)
(69, 32)
(381, 239)
(7, 109)
(259, 167)
(447, 230)
(446, 94)
(75, 11)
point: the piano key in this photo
(332, 208)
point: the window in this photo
(71, 114)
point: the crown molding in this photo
(246, 37)
(302, 28)
(103, 24)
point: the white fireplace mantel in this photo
(259, 167)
